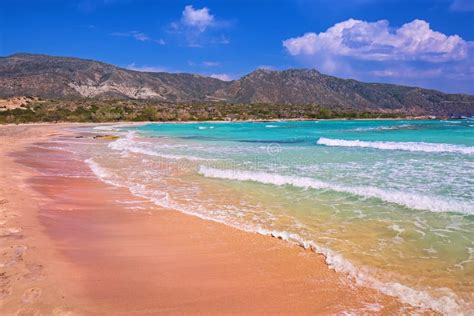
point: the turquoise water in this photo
(391, 203)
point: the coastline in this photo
(110, 259)
(132, 123)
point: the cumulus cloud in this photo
(197, 27)
(223, 77)
(376, 41)
(413, 54)
(198, 18)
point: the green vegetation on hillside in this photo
(91, 110)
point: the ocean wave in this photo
(383, 128)
(446, 303)
(129, 144)
(116, 127)
(100, 172)
(274, 141)
(271, 126)
(410, 200)
(406, 146)
(105, 128)
(205, 127)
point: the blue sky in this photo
(418, 42)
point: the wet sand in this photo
(77, 250)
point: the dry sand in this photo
(68, 247)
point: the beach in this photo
(68, 247)
(167, 158)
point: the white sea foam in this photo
(410, 200)
(407, 146)
(116, 127)
(382, 128)
(100, 172)
(271, 126)
(447, 303)
(105, 127)
(129, 144)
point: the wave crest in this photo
(446, 302)
(410, 200)
(407, 146)
(129, 144)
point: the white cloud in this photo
(211, 63)
(139, 36)
(220, 40)
(197, 27)
(223, 77)
(376, 41)
(133, 66)
(206, 64)
(266, 67)
(412, 54)
(462, 5)
(408, 72)
(198, 18)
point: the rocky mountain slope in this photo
(304, 86)
(59, 77)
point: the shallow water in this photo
(389, 202)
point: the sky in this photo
(418, 43)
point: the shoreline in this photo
(127, 123)
(230, 267)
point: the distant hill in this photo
(60, 77)
(57, 77)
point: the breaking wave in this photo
(406, 199)
(407, 146)
(383, 128)
(128, 144)
(447, 303)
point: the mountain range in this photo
(65, 77)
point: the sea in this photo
(389, 203)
